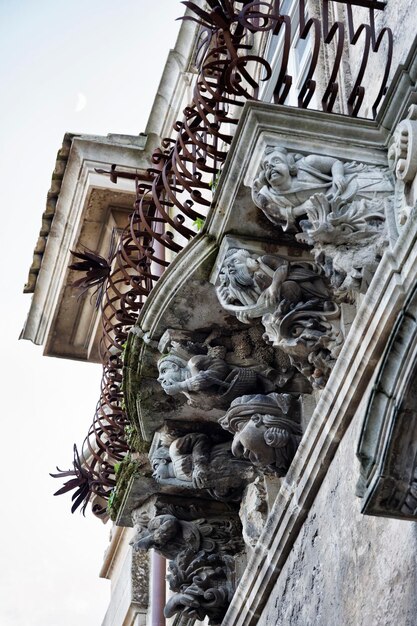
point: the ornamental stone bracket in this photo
(291, 297)
(388, 443)
(319, 180)
(203, 547)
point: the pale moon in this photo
(81, 102)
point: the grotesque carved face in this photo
(170, 372)
(277, 171)
(249, 442)
(162, 468)
(237, 266)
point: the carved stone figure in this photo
(171, 536)
(264, 431)
(239, 356)
(206, 381)
(251, 285)
(194, 461)
(202, 565)
(287, 181)
(294, 303)
(329, 203)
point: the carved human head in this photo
(162, 464)
(260, 427)
(278, 166)
(172, 369)
(158, 532)
(238, 266)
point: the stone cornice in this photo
(77, 220)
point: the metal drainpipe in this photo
(158, 562)
(158, 595)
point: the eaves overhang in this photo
(86, 211)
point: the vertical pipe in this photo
(158, 570)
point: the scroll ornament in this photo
(402, 160)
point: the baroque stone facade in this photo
(272, 369)
(300, 293)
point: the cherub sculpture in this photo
(287, 182)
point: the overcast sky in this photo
(88, 66)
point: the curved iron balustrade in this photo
(177, 190)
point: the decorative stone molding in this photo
(402, 160)
(388, 443)
(402, 152)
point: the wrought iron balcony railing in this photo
(177, 192)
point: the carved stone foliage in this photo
(266, 430)
(387, 448)
(198, 463)
(295, 305)
(402, 159)
(201, 554)
(338, 207)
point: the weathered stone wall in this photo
(345, 567)
(401, 17)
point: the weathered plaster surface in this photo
(345, 567)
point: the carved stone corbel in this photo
(210, 376)
(202, 553)
(266, 430)
(195, 461)
(294, 302)
(338, 207)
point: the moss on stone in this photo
(124, 471)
